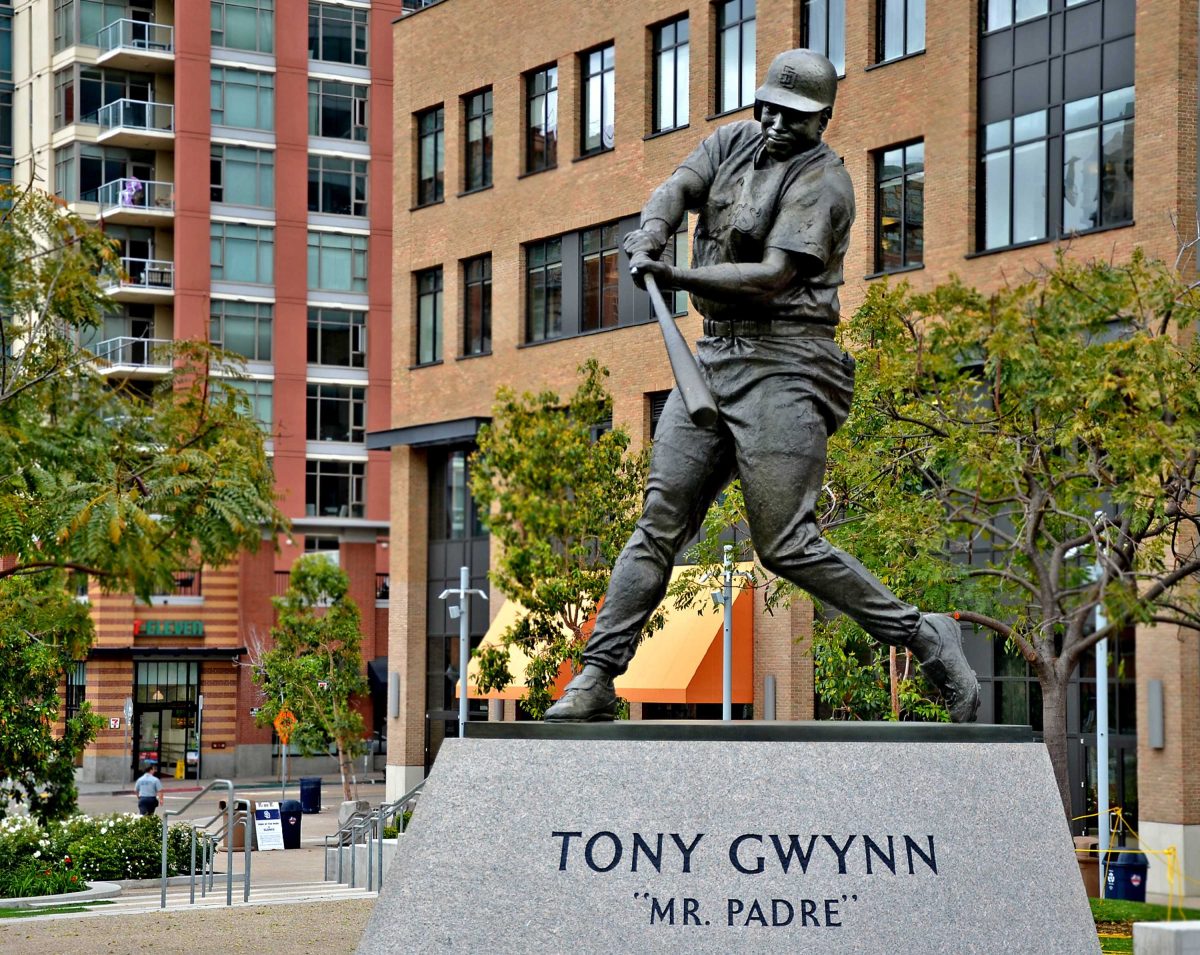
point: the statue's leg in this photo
(781, 459)
(688, 467)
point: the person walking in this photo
(776, 205)
(149, 791)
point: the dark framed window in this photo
(337, 262)
(337, 110)
(671, 61)
(337, 336)
(1097, 165)
(257, 399)
(900, 207)
(1014, 180)
(736, 45)
(431, 155)
(337, 34)
(336, 412)
(477, 305)
(477, 109)
(541, 119)
(543, 290)
(600, 279)
(243, 328)
(677, 252)
(337, 186)
(901, 28)
(998, 14)
(241, 98)
(429, 316)
(823, 28)
(239, 24)
(335, 488)
(242, 176)
(597, 100)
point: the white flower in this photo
(38, 854)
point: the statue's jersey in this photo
(803, 205)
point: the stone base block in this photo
(1160, 835)
(1166, 938)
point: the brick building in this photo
(981, 136)
(240, 152)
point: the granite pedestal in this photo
(764, 837)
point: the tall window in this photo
(337, 34)
(1014, 167)
(1004, 13)
(477, 305)
(478, 168)
(431, 155)
(736, 46)
(337, 110)
(598, 120)
(677, 250)
(900, 207)
(541, 112)
(543, 290)
(901, 28)
(429, 316)
(244, 24)
(336, 412)
(242, 253)
(64, 24)
(671, 75)
(823, 28)
(337, 262)
(259, 398)
(335, 488)
(1097, 174)
(242, 176)
(598, 249)
(243, 98)
(243, 328)
(337, 186)
(337, 336)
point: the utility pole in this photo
(462, 612)
(724, 597)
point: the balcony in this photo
(133, 357)
(134, 202)
(137, 45)
(144, 280)
(136, 124)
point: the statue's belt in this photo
(778, 328)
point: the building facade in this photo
(240, 152)
(981, 136)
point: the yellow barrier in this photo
(1169, 855)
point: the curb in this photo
(98, 890)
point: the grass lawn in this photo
(1115, 918)
(67, 909)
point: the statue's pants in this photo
(779, 399)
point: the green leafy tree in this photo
(1029, 458)
(559, 495)
(315, 667)
(125, 487)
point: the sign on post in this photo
(285, 723)
(268, 827)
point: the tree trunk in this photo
(344, 769)
(894, 679)
(1054, 731)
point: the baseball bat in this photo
(696, 397)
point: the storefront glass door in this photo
(165, 705)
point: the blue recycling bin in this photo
(289, 820)
(310, 794)
(1126, 877)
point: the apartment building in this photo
(981, 136)
(240, 153)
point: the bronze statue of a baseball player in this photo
(775, 205)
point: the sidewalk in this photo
(170, 784)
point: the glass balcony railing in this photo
(135, 114)
(134, 352)
(150, 274)
(135, 194)
(136, 35)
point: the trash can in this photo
(310, 794)
(1126, 877)
(1089, 863)
(289, 818)
(237, 839)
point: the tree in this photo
(315, 669)
(124, 486)
(559, 494)
(1037, 448)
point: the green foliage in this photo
(560, 501)
(63, 856)
(316, 668)
(96, 479)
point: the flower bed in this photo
(64, 856)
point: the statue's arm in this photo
(663, 212)
(738, 281)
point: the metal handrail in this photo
(129, 192)
(132, 350)
(341, 834)
(227, 784)
(391, 811)
(145, 273)
(131, 113)
(136, 35)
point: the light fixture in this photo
(158, 695)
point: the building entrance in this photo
(165, 709)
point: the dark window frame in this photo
(907, 219)
(882, 55)
(261, 314)
(320, 471)
(429, 285)
(431, 176)
(665, 57)
(542, 328)
(477, 305)
(829, 44)
(478, 132)
(323, 409)
(605, 253)
(321, 323)
(545, 102)
(724, 30)
(597, 66)
(359, 21)
(357, 171)
(325, 104)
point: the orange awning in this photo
(679, 664)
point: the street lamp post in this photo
(463, 613)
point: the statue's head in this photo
(795, 102)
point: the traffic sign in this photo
(285, 724)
